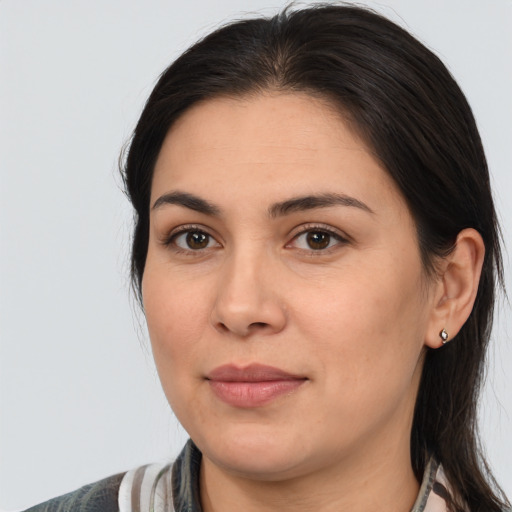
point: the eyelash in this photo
(319, 228)
(170, 241)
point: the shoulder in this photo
(100, 496)
(160, 486)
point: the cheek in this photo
(176, 315)
(175, 319)
(369, 331)
(365, 305)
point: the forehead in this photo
(262, 143)
(275, 121)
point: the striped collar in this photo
(175, 487)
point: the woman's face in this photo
(283, 289)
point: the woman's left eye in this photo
(317, 240)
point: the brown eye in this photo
(197, 240)
(193, 240)
(318, 240)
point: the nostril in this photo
(222, 327)
(258, 325)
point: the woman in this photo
(316, 251)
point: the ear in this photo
(455, 292)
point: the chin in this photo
(255, 455)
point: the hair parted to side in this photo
(400, 98)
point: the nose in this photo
(248, 300)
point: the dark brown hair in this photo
(403, 102)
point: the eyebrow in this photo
(311, 202)
(189, 201)
(295, 204)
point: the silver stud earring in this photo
(444, 336)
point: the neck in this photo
(381, 481)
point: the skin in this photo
(353, 318)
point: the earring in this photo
(444, 336)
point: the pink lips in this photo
(252, 386)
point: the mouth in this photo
(252, 386)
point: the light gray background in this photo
(79, 394)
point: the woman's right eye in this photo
(193, 240)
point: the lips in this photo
(252, 386)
